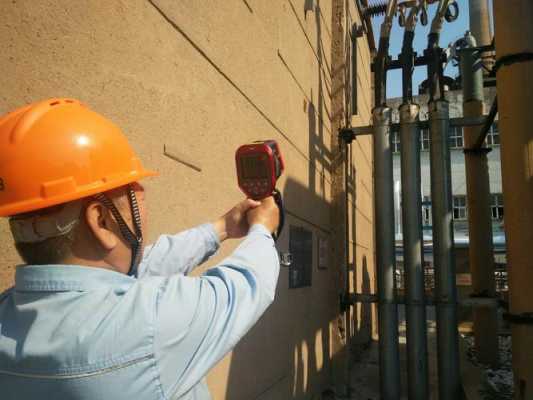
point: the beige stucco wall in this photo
(203, 77)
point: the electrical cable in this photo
(279, 202)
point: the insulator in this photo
(375, 10)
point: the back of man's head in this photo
(46, 236)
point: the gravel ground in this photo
(497, 384)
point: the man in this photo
(94, 315)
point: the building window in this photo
(395, 142)
(424, 139)
(493, 137)
(497, 206)
(456, 137)
(459, 207)
(426, 211)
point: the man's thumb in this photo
(249, 204)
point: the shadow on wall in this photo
(360, 315)
(319, 154)
(287, 354)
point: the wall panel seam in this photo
(233, 84)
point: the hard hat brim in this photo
(69, 191)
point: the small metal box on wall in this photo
(323, 255)
(301, 249)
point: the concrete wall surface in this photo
(202, 78)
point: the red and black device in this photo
(259, 165)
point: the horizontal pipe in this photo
(474, 302)
(349, 134)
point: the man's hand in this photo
(266, 214)
(233, 224)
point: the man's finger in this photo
(248, 204)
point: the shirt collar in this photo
(62, 278)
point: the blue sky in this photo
(450, 33)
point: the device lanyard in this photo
(279, 202)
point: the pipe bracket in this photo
(519, 319)
(477, 151)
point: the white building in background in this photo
(456, 139)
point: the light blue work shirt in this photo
(73, 332)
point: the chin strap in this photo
(279, 201)
(134, 239)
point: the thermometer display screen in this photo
(254, 167)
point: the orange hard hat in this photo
(58, 150)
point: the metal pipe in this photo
(441, 198)
(389, 357)
(417, 357)
(480, 28)
(513, 36)
(443, 252)
(474, 302)
(380, 63)
(481, 249)
(417, 361)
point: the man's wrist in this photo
(259, 227)
(220, 229)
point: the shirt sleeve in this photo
(180, 253)
(201, 319)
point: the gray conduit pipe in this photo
(441, 197)
(417, 357)
(389, 360)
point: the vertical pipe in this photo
(417, 362)
(389, 357)
(417, 357)
(480, 28)
(441, 198)
(480, 21)
(443, 254)
(514, 31)
(389, 360)
(481, 250)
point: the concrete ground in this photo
(365, 372)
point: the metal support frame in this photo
(349, 134)
(474, 302)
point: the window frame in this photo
(494, 132)
(497, 209)
(456, 140)
(460, 208)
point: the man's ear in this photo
(101, 225)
